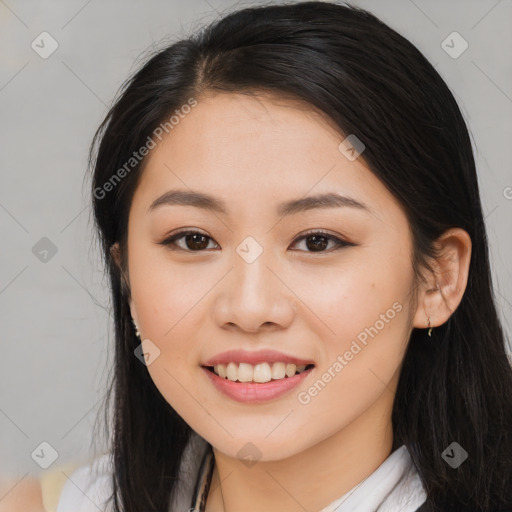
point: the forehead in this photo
(255, 132)
(247, 148)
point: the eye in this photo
(195, 241)
(319, 240)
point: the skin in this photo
(21, 496)
(255, 153)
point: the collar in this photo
(394, 485)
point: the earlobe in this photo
(442, 292)
(135, 319)
(133, 312)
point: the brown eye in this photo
(194, 241)
(318, 241)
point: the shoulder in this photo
(20, 495)
(72, 487)
(88, 487)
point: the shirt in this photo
(394, 486)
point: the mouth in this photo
(262, 383)
(259, 373)
(256, 376)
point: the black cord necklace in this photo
(203, 482)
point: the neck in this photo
(311, 479)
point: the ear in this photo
(115, 253)
(440, 293)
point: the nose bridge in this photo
(253, 279)
(254, 294)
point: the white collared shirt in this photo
(394, 486)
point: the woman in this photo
(289, 212)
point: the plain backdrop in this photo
(55, 325)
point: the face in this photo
(329, 285)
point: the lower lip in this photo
(249, 392)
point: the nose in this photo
(254, 296)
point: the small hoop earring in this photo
(137, 333)
(430, 328)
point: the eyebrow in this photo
(291, 207)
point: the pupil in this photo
(316, 244)
(195, 244)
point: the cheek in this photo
(359, 370)
(165, 295)
(364, 320)
(347, 300)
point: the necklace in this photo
(203, 482)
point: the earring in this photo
(137, 333)
(430, 329)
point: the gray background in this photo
(56, 329)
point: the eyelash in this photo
(170, 241)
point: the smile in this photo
(258, 373)
(256, 392)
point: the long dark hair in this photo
(455, 386)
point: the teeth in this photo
(278, 370)
(245, 372)
(231, 371)
(290, 369)
(262, 372)
(220, 369)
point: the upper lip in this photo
(260, 356)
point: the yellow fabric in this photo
(52, 482)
